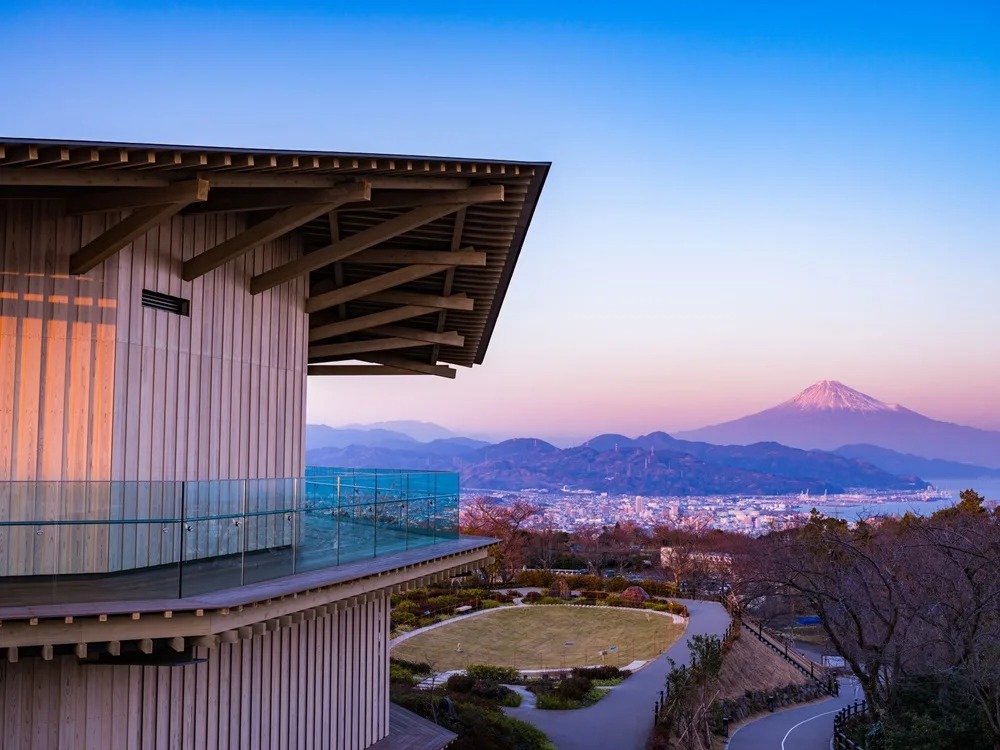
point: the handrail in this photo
(840, 739)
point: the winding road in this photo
(807, 727)
(623, 719)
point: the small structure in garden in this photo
(560, 589)
(635, 595)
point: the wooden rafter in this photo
(351, 325)
(134, 225)
(187, 192)
(389, 360)
(360, 347)
(370, 286)
(20, 155)
(402, 182)
(449, 278)
(446, 338)
(397, 198)
(388, 196)
(449, 302)
(351, 245)
(272, 227)
(326, 370)
(466, 257)
(49, 156)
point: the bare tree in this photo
(505, 522)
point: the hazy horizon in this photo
(744, 198)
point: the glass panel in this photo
(96, 541)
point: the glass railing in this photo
(96, 541)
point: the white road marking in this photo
(804, 722)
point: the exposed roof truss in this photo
(407, 258)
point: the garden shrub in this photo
(585, 582)
(616, 584)
(442, 602)
(460, 683)
(573, 688)
(417, 667)
(607, 672)
(492, 672)
(555, 702)
(402, 619)
(539, 578)
(532, 597)
(677, 608)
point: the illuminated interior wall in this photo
(95, 387)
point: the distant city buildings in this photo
(569, 509)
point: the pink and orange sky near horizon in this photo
(745, 198)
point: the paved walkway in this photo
(623, 720)
(808, 727)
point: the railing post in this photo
(181, 535)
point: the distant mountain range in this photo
(827, 438)
(829, 414)
(907, 463)
(654, 464)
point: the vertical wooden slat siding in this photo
(96, 387)
(315, 684)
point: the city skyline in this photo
(743, 201)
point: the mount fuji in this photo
(829, 414)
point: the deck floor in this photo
(211, 583)
(407, 731)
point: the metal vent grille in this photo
(159, 301)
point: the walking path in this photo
(808, 727)
(623, 719)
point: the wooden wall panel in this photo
(244, 696)
(95, 387)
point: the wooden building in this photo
(161, 582)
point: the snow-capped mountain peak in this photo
(831, 395)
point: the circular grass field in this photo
(541, 637)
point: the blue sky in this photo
(745, 197)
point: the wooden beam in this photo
(275, 226)
(189, 191)
(20, 155)
(448, 338)
(450, 302)
(418, 198)
(324, 370)
(457, 230)
(53, 155)
(61, 177)
(270, 199)
(404, 182)
(422, 367)
(353, 244)
(82, 156)
(370, 286)
(134, 225)
(467, 257)
(367, 321)
(262, 200)
(360, 347)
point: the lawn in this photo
(536, 637)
